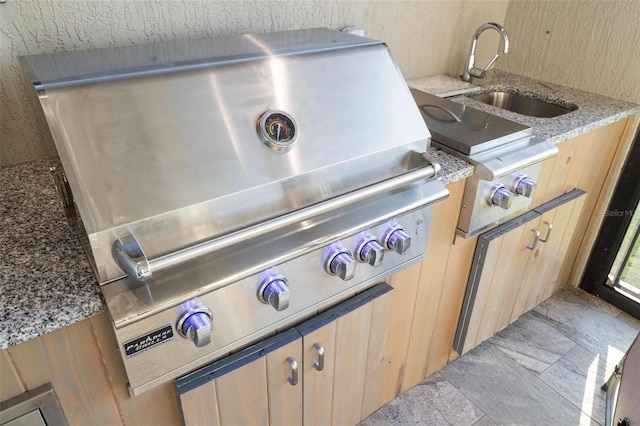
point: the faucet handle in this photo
(491, 62)
(480, 73)
(477, 72)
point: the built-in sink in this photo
(523, 104)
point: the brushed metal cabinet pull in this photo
(535, 241)
(320, 364)
(548, 234)
(293, 379)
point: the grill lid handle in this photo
(129, 255)
(130, 258)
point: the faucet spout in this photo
(470, 69)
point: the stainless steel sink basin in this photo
(522, 104)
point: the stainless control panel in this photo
(487, 203)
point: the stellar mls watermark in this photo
(619, 213)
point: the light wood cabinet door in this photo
(257, 386)
(336, 346)
(350, 354)
(540, 280)
(494, 283)
(516, 267)
(318, 370)
(285, 397)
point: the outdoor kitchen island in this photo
(417, 321)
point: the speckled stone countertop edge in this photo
(452, 169)
(46, 282)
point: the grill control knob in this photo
(340, 263)
(397, 240)
(274, 291)
(525, 186)
(195, 324)
(370, 251)
(501, 197)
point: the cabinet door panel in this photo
(335, 394)
(242, 395)
(257, 393)
(235, 398)
(523, 237)
(285, 398)
(534, 269)
(381, 312)
(503, 281)
(561, 258)
(483, 295)
(546, 262)
(506, 280)
(352, 338)
(200, 406)
(495, 280)
(247, 388)
(318, 385)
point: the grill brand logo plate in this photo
(148, 341)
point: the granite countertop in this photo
(46, 282)
(453, 168)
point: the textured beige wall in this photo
(426, 37)
(589, 45)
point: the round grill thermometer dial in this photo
(278, 130)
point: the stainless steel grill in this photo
(231, 187)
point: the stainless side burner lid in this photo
(179, 143)
(464, 129)
(496, 146)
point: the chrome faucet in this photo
(470, 70)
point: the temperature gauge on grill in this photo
(278, 130)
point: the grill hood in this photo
(163, 142)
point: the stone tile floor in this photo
(546, 368)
